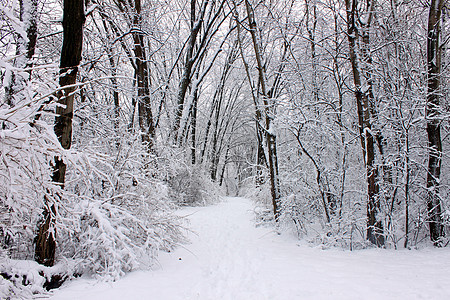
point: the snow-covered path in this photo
(231, 259)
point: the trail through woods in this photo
(230, 258)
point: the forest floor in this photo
(230, 258)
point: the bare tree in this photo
(359, 24)
(143, 80)
(73, 20)
(205, 23)
(433, 121)
(265, 108)
(261, 160)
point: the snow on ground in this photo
(231, 259)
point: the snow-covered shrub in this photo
(262, 199)
(112, 217)
(259, 194)
(294, 215)
(302, 216)
(193, 187)
(115, 239)
(21, 279)
(189, 185)
(27, 149)
(117, 212)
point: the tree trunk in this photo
(311, 34)
(365, 109)
(208, 128)
(339, 81)
(269, 132)
(194, 125)
(261, 160)
(25, 45)
(433, 123)
(407, 183)
(218, 95)
(143, 81)
(215, 154)
(73, 20)
(189, 62)
(225, 162)
(115, 89)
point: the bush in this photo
(117, 213)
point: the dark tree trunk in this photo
(311, 28)
(115, 93)
(189, 63)
(214, 152)
(115, 88)
(365, 109)
(208, 128)
(261, 160)
(407, 182)
(218, 95)
(267, 104)
(433, 123)
(225, 162)
(143, 81)
(194, 126)
(73, 20)
(32, 7)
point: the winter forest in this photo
(332, 116)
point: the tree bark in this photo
(433, 123)
(143, 81)
(115, 86)
(225, 162)
(189, 62)
(215, 154)
(365, 108)
(261, 160)
(311, 34)
(218, 95)
(73, 20)
(269, 132)
(194, 125)
(406, 185)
